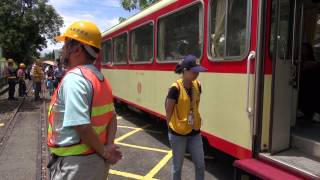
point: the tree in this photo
(121, 19)
(26, 26)
(49, 55)
(130, 5)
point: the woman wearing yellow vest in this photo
(183, 117)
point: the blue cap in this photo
(190, 63)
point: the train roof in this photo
(153, 8)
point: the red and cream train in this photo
(253, 51)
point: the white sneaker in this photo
(316, 117)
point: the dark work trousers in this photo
(12, 88)
(22, 87)
(37, 90)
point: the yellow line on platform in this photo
(128, 127)
(119, 117)
(130, 133)
(126, 174)
(159, 166)
(143, 147)
(1, 124)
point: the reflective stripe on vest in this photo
(179, 118)
(101, 114)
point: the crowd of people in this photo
(38, 72)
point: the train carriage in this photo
(258, 74)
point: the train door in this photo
(283, 91)
(295, 115)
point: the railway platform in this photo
(142, 139)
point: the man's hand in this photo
(112, 154)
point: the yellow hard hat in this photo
(10, 61)
(83, 31)
(38, 62)
(22, 65)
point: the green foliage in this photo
(121, 19)
(136, 4)
(26, 26)
(49, 55)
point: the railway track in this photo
(10, 124)
(27, 105)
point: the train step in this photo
(261, 170)
(306, 144)
(294, 160)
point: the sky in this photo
(105, 13)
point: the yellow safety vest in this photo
(179, 118)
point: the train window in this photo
(180, 34)
(120, 49)
(229, 27)
(107, 51)
(316, 38)
(283, 31)
(142, 44)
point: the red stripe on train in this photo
(214, 141)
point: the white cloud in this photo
(110, 3)
(97, 3)
(62, 3)
(103, 25)
(105, 13)
(87, 16)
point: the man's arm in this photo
(112, 129)
(90, 138)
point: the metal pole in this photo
(259, 79)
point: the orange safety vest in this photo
(101, 114)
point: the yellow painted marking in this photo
(206, 157)
(130, 133)
(1, 124)
(143, 147)
(159, 166)
(119, 117)
(128, 127)
(126, 174)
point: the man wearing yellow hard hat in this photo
(12, 79)
(38, 76)
(81, 119)
(21, 75)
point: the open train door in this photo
(282, 90)
(286, 40)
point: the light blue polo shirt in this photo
(73, 106)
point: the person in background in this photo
(31, 76)
(50, 80)
(21, 74)
(183, 117)
(58, 74)
(37, 79)
(12, 79)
